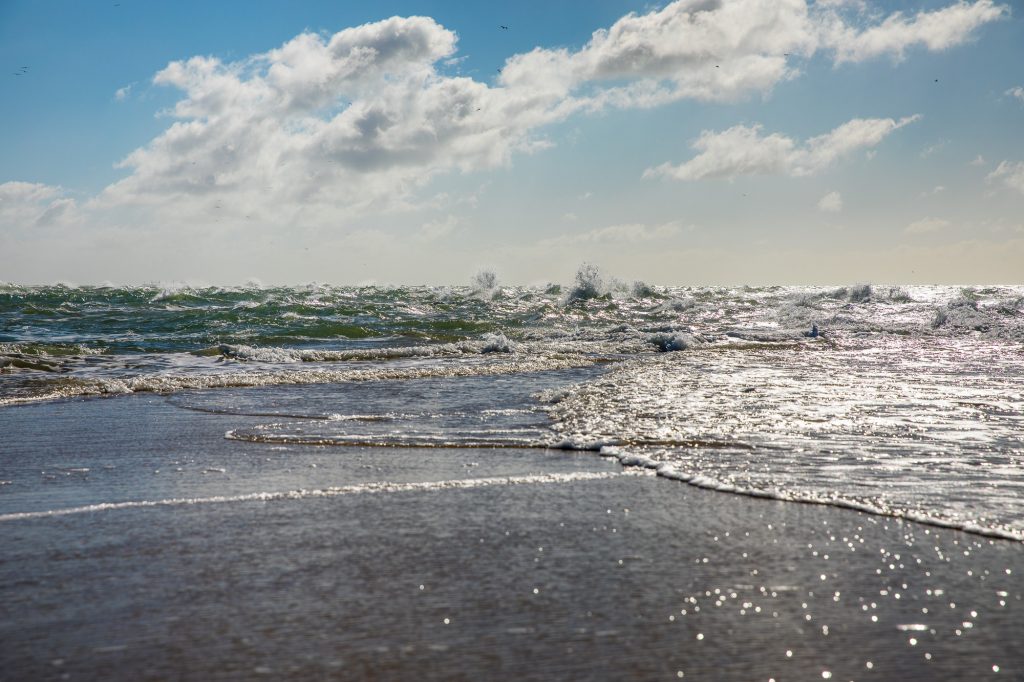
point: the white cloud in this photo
(320, 125)
(831, 203)
(700, 49)
(122, 93)
(1011, 174)
(29, 204)
(978, 160)
(934, 191)
(937, 30)
(859, 5)
(616, 234)
(1017, 92)
(926, 225)
(743, 150)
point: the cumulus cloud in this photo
(926, 225)
(1017, 92)
(345, 121)
(936, 31)
(743, 150)
(29, 204)
(121, 94)
(1010, 174)
(616, 234)
(831, 203)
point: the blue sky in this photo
(555, 161)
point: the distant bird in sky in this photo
(503, 27)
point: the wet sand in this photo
(627, 575)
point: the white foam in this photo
(672, 472)
(171, 290)
(675, 341)
(334, 491)
(169, 383)
(488, 343)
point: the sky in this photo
(698, 142)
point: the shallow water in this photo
(901, 401)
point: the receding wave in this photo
(302, 494)
(673, 472)
(396, 440)
(69, 387)
(488, 343)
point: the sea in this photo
(898, 401)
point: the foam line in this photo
(72, 387)
(334, 491)
(666, 470)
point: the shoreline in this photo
(633, 577)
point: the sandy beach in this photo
(501, 564)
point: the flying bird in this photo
(503, 27)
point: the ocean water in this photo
(898, 401)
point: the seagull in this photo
(503, 28)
